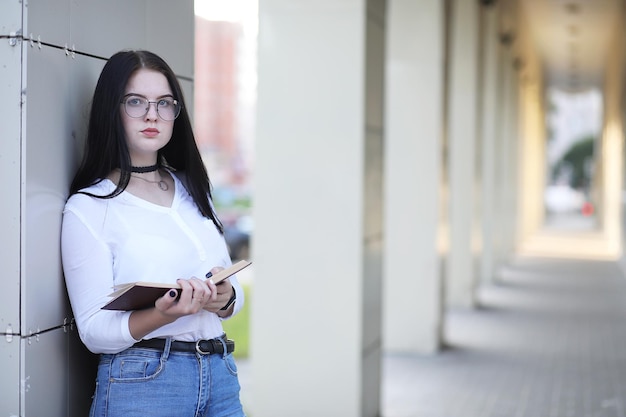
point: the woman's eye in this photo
(165, 103)
(134, 101)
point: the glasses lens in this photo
(168, 109)
(136, 106)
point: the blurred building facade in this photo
(224, 115)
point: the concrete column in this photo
(511, 157)
(489, 133)
(612, 145)
(531, 170)
(491, 102)
(506, 161)
(500, 165)
(462, 128)
(316, 303)
(413, 152)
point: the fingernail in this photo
(211, 281)
(209, 274)
(172, 293)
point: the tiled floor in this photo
(549, 340)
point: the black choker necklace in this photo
(143, 170)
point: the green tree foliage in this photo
(576, 160)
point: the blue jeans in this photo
(140, 382)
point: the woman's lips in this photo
(150, 132)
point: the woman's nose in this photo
(152, 113)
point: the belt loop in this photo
(166, 348)
(223, 342)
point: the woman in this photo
(140, 210)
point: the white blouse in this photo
(107, 242)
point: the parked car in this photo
(563, 199)
(237, 235)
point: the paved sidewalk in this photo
(548, 341)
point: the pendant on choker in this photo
(160, 183)
(163, 185)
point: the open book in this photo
(141, 294)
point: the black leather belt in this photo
(203, 347)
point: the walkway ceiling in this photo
(573, 38)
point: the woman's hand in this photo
(224, 290)
(195, 293)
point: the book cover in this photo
(139, 295)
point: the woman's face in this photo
(148, 133)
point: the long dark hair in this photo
(106, 148)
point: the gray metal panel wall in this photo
(47, 164)
(10, 375)
(10, 172)
(10, 166)
(170, 33)
(52, 52)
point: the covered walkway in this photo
(549, 339)
(415, 167)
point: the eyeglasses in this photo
(168, 109)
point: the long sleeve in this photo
(88, 268)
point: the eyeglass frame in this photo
(156, 104)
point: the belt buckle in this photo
(199, 349)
